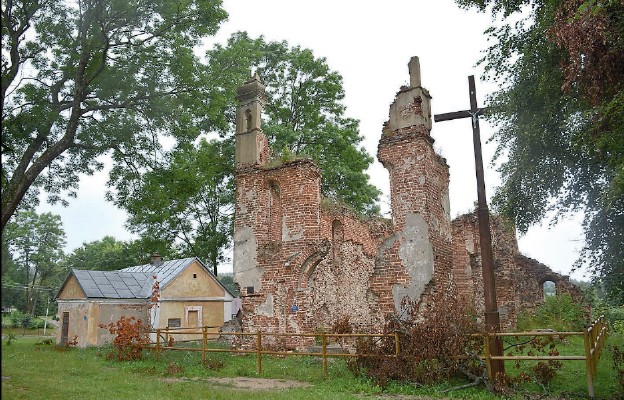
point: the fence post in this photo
(158, 340)
(486, 351)
(324, 352)
(204, 343)
(259, 350)
(397, 345)
(589, 361)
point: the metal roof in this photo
(164, 271)
(114, 284)
(133, 282)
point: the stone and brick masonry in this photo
(302, 266)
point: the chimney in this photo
(156, 259)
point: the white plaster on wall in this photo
(266, 308)
(246, 272)
(416, 253)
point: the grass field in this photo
(33, 370)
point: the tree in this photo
(304, 113)
(84, 78)
(185, 204)
(36, 241)
(106, 254)
(560, 114)
(185, 207)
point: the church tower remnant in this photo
(419, 181)
(252, 147)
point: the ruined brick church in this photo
(301, 266)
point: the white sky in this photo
(370, 43)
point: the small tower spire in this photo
(251, 143)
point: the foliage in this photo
(85, 78)
(35, 242)
(106, 254)
(185, 207)
(130, 339)
(542, 372)
(10, 338)
(558, 312)
(304, 113)
(183, 203)
(227, 280)
(614, 315)
(618, 366)
(560, 113)
(432, 349)
(86, 373)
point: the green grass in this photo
(37, 371)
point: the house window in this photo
(194, 276)
(193, 316)
(174, 322)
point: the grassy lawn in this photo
(32, 370)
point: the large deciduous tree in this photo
(185, 207)
(83, 78)
(186, 204)
(560, 114)
(304, 113)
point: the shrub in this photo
(439, 346)
(130, 339)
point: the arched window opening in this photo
(275, 212)
(337, 239)
(248, 120)
(550, 289)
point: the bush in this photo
(614, 316)
(439, 346)
(130, 339)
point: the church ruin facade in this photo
(301, 266)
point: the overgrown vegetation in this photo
(87, 373)
(559, 312)
(432, 349)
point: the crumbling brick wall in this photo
(302, 266)
(519, 279)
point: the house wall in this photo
(72, 290)
(194, 289)
(86, 316)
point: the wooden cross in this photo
(492, 320)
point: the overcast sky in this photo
(370, 43)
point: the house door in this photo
(193, 319)
(65, 328)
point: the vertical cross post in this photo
(492, 320)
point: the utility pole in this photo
(492, 320)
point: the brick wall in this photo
(302, 266)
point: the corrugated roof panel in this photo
(131, 282)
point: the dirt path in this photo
(248, 383)
(252, 384)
